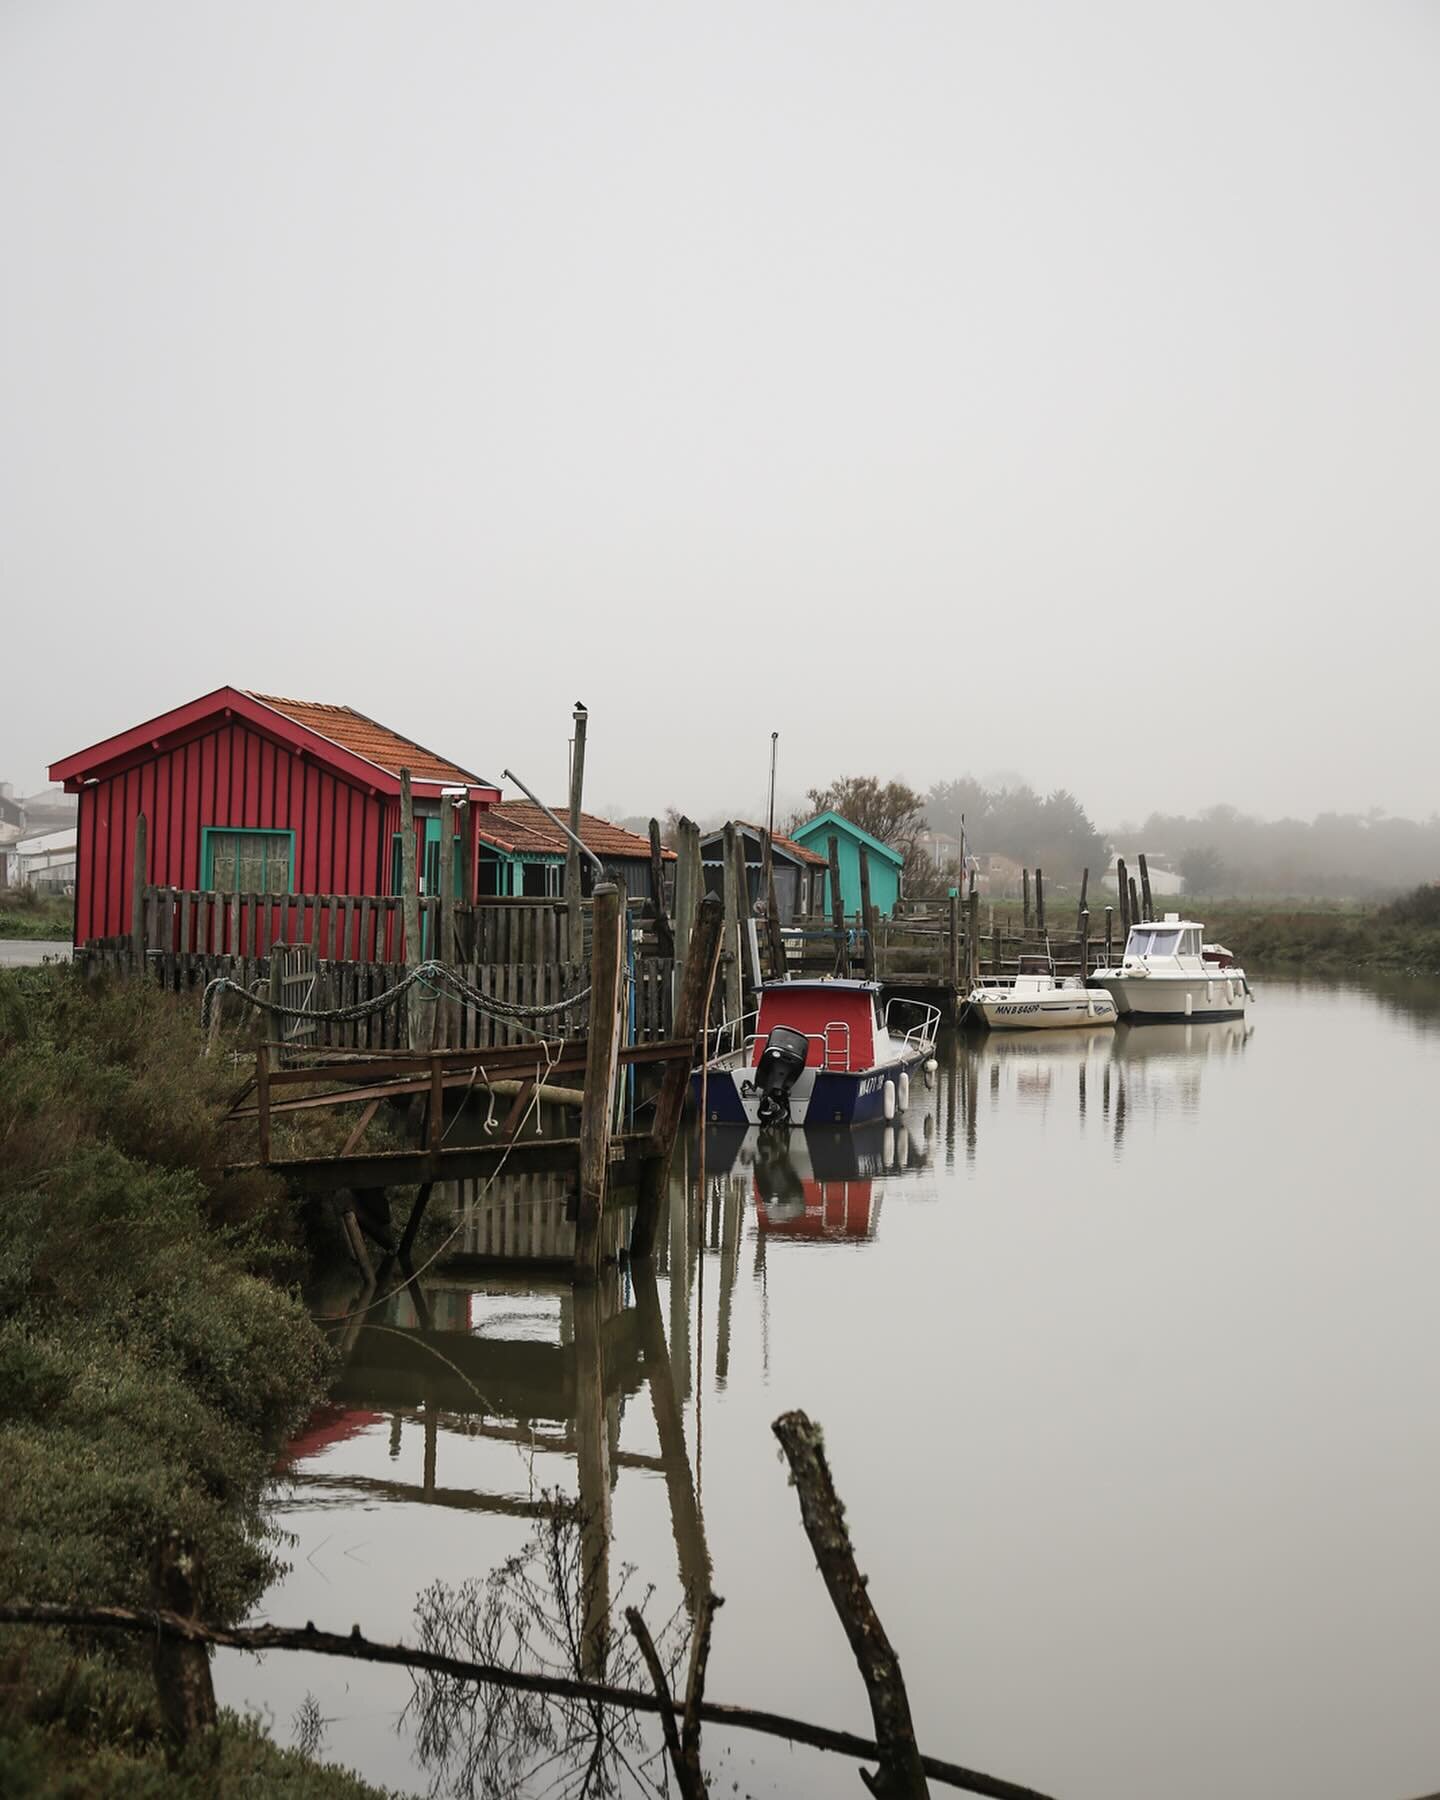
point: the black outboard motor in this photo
(777, 1072)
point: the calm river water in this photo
(1127, 1353)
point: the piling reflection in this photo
(548, 1370)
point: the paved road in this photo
(15, 953)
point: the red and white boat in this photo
(819, 1052)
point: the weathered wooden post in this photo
(1124, 887)
(137, 893)
(746, 915)
(954, 943)
(1135, 912)
(416, 1019)
(734, 1002)
(867, 915)
(1145, 897)
(1084, 894)
(262, 1099)
(775, 940)
(972, 939)
(572, 854)
(1040, 901)
(602, 1068)
(689, 889)
(901, 1774)
(1025, 897)
(837, 907)
(690, 1027)
(182, 1670)
(664, 936)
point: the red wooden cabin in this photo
(245, 792)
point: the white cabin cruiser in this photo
(1040, 1001)
(1170, 972)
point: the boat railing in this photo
(834, 1040)
(923, 1030)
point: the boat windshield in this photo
(1148, 940)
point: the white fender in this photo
(1189, 1005)
(887, 1148)
(902, 1091)
(888, 1099)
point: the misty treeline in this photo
(1349, 856)
(1221, 852)
(1050, 831)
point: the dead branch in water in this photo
(362, 1649)
(901, 1774)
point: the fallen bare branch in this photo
(327, 1643)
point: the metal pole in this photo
(770, 822)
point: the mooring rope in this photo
(431, 974)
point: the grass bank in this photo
(24, 913)
(152, 1360)
(1401, 938)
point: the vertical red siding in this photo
(232, 776)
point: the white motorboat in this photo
(1170, 972)
(1040, 1002)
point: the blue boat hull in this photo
(835, 1097)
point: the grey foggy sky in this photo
(820, 367)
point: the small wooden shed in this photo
(251, 793)
(885, 862)
(799, 873)
(523, 852)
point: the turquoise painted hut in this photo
(885, 862)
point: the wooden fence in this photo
(460, 1024)
(371, 927)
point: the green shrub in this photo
(148, 1373)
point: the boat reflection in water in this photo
(818, 1184)
(1115, 1071)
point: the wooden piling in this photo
(182, 1670)
(689, 889)
(953, 945)
(837, 908)
(410, 889)
(734, 1003)
(1025, 895)
(745, 916)
(1135, 912)
(1145, 896)
(1039, 900)
(1122, 883)
(137, 892)
(664, 936)
(262, 1100)
(1084, 894)
(572, 854)
(972, 939)
(775, 941)
(1084, 944)
(867, 915)
(690, 1027)
(602, 1065)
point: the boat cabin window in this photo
(1151, 940)
(1190, 942)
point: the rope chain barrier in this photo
(432, 974)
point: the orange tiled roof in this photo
(387, 749)
(521, 827)
(788, 845)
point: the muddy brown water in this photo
(1128, 1358)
